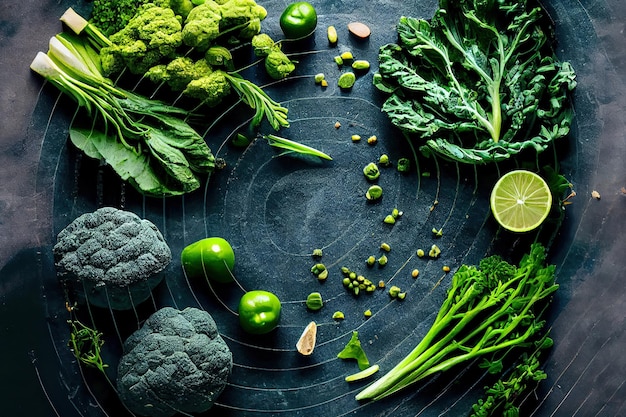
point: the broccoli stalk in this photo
(487, 310)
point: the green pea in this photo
(394, 291)
(371, 171)
(346, 80)
(361, 65)
(319, 78)
(314, 301)
(389, 219)
(374, 192)
(338, 315)
(382, 261)
(404, 165)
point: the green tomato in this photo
(259, 311)
(298, 20)
(212, 257)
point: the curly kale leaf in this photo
(479, 82)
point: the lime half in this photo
(521, 201)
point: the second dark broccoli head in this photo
(177, 362)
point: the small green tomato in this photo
(212, 257)
(298, 20)
(259, 311)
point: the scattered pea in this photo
(415, 273)
(434, 251)
(319, 78)
(374, 193)
(347, 281)
(371, 171)
(394, 291)
(318, 268)
(396, 213)
(346, 80)
(346, 56)
(404, 165)
(446, 268)
(345, 270)
(389, 219)
(314, 301)
(323, 275)
(355, 138)
(338, 60)
(371, 260)
(324, 83)
(382, 261)
(361, 65)
(384, 160)
(331, 32)
(385, 246)
(338, 315)
(372, 140)
(317, 253)
(437, 233)
(367, 313)
(420, 253)
(402, 296)
(381, 284)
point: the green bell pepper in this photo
(259, 311)
(212, 257)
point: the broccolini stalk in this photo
(487, 310)
(257, 99)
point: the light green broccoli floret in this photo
(246, 14)
(154, 33)
(209, 20)
(179, 72)
(278, 65)
(181, 7)
(262, 44)
(219, 56)
(210, 89)
(202, 25)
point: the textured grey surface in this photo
(39, 195)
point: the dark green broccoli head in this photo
(113, 257)
(177, 362)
